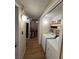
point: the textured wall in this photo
(22, 38)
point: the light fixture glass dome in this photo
(24, 18)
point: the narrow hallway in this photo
(39, 21)
(33, 50)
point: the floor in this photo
(33, 50)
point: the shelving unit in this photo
(55, 28)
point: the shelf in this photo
(55, 24)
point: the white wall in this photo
(56, 14)
(22, 38)
(43, 27)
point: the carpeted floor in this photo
(33, 50)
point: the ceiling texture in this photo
(35, 8)
(56, 12)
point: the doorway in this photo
(27, 30)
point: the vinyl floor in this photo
(33, 50)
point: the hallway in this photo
(34, 50)
(38, 20)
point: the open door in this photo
(16, 32)
(27, 30)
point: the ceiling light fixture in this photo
(24, 18)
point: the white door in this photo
(16, 32)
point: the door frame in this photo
(17, 39)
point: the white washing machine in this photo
(52, 49)
(44, 40)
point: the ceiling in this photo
(56, 14)
(35, 8)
